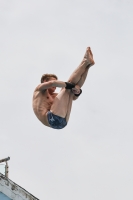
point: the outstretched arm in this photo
(49, 84)
(55, 83)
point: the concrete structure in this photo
(11, 191)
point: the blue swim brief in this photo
(55, 121)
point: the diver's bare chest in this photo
(49, 98)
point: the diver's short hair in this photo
(46, 77)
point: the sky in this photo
(91, 158)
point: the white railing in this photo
(6, 166)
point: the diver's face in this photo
(52, 89)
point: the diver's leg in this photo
(61, 102)
(87, 62)
(83, 78)
(69, 106)
(71, 96)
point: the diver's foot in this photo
(89, 57)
